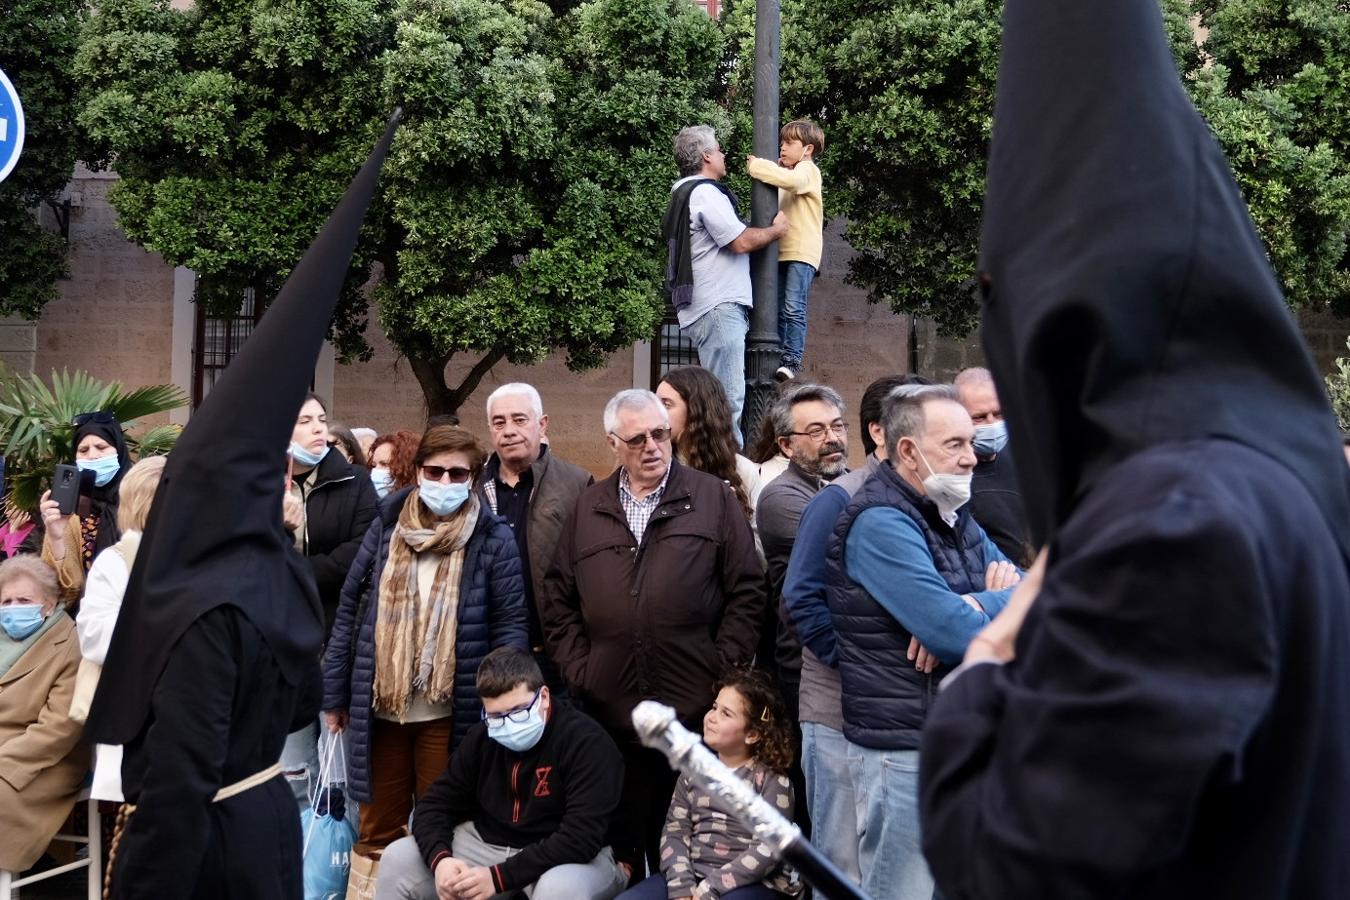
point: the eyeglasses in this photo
(638, 441)
(818, 431)
(458, 474)
(519, 714)
(102, 417)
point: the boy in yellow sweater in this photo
(799, 197)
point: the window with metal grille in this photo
(671, 349)
(218, 339)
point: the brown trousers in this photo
(404, 761)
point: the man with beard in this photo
(1163, 709)
(808, 423)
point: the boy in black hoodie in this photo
(525, 804)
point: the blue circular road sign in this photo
(11, 126)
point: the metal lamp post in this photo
(762, 350)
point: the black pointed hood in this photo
(1128, 299)
(215, 535)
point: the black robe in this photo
(1177, 721)
(219, 713)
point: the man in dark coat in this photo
(1163, 709)
(533, 489)
(655, 589)
(219, 631)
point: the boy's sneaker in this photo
(784, 374)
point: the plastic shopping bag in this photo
(328, 834)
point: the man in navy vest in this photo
(907, 561)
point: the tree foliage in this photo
(235, 127)
(519, 208)
(38, 39)
(905, 92)
(1338, 389)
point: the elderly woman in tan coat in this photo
(42, 763)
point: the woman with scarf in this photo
(72, 542)
(436, 584)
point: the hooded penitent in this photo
(215, 534)
(1128, 299)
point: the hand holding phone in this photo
(66, 488)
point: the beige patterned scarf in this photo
(415, 641)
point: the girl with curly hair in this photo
(702, 431)
(705, 852)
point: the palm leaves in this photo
(36, 429)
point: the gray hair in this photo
(363, 432)
(781, 413)
(516, 389)
(973, 375)
(633, 400)
(690, 145)
(29, 566)
(902, 412)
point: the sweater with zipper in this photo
(553, 802)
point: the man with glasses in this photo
(808, 423)
(532, 488)
(525, 804)
(655, 588)
(708, 260)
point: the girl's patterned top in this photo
(705, 852)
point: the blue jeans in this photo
(830, 797)
(719, 337)
(886, 791)
(794, 285)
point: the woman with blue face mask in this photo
(328, 505)
(72, 542)
(436, 585)
(43, 762)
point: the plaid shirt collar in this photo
(639, 512)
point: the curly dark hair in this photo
(707, 442)
(766, 716)
(401, 465)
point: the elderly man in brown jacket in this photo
(655, 589)
(42, 763)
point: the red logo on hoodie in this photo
(541, 781)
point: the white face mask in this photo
(949, 492)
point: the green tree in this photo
(905, 92)
(38, 39)
(235, 128)
(535, 166)
(1278, 96)
(519, 208)
(1338, 389)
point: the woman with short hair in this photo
(42, 763)
(436, 585)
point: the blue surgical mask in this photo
(441, 498)
(305, 458)
(383, 480)
(990, 439)
(21, 621)
(519, 736)
(105, 468)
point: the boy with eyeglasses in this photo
(525, 804)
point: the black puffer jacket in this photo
(338, 510)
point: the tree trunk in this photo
(441, 399)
